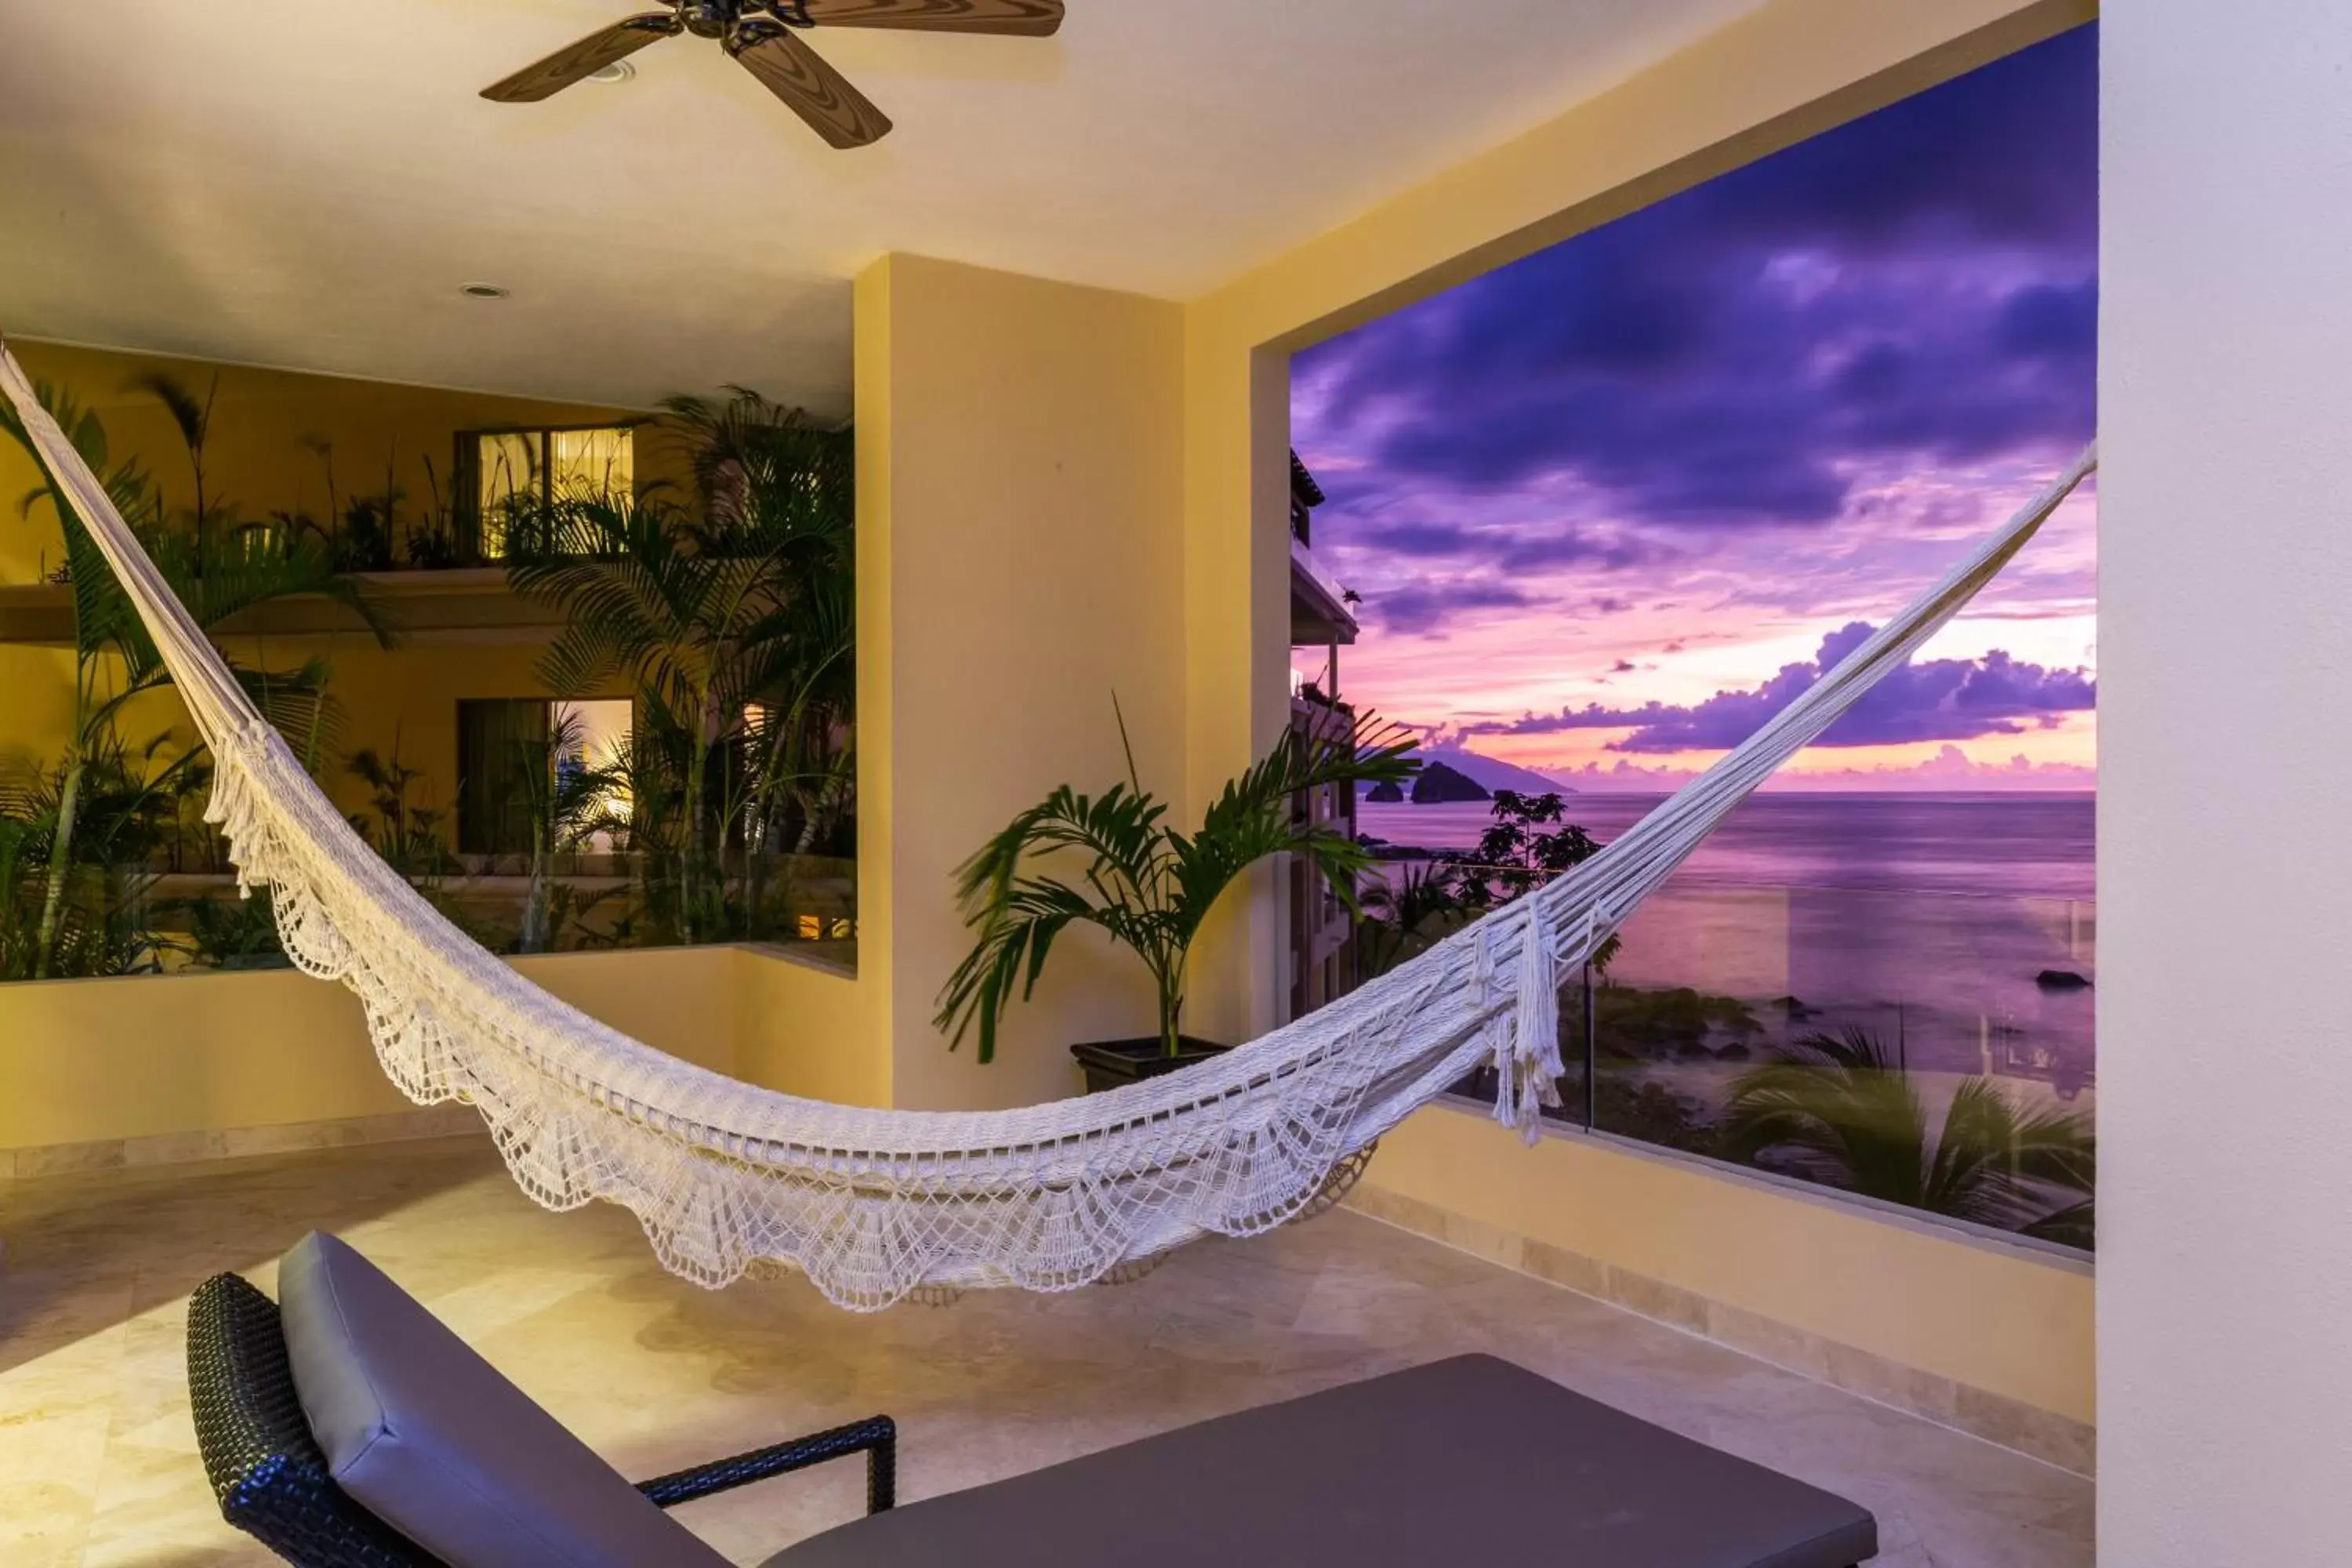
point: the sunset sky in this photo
(1610, 507)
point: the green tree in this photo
(732, 619)
(192, 417)
(215, 575)
(1839, 1111)
(765, 471)
(1529, 842)
(1145, 884)
(405, 834)
(1406, 914)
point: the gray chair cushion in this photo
(1469, 1460)
(429, 1437)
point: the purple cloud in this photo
(1605, 550)
(1424, 608)
(1920, 284)
(1939, 699)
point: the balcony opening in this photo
(1609, 507)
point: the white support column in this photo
(2225, 819)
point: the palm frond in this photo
(1841, 1112)
(1149, 886)
(1008, 959)
(191, 416)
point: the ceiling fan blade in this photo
(814, 91)
(585, 59)
(1024, 18)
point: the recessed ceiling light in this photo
(618, 71)
(483, 291)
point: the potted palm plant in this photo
(1147, 885)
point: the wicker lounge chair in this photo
(354, 1392)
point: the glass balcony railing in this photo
(1928, 1049)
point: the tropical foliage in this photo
(1406, 911)
(407, 833)
(1529, 842)
(723, 608)
(1145, 884)
(92, 811)
(568, 800)
(1840, 1111)
(729, 616)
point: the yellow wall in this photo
(86, 1061)
(2001, 1319)
(93, 1060)
(1019, 561)
(808, 1030)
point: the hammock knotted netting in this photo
(873, 1204)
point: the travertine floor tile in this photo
(99, 1462)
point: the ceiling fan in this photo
(763, 37)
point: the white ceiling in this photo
(306, 182)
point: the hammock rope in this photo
(875, 1205)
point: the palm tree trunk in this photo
(1172, 1011)
(692, 869)
(53, 898)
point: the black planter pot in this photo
(1110, 1063)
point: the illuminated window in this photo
(498, 466)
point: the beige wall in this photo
(808, 1030)
(2006, 1319)
(2225, 569)
(1019, 561)
(86, 1061)
(95, 1060)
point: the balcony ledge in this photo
(460, 605)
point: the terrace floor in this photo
(99, 1462)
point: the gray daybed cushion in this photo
(1464, 1461)
(426, 1435)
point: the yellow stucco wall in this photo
(1992, 1317)
(1020, 560)
(91, 1060)
(86, 1061)
(808, 1030)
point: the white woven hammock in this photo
(874, 1205)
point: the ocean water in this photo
(1925, 919)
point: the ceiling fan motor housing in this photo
(709, 18)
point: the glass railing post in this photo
(1592, 1055)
